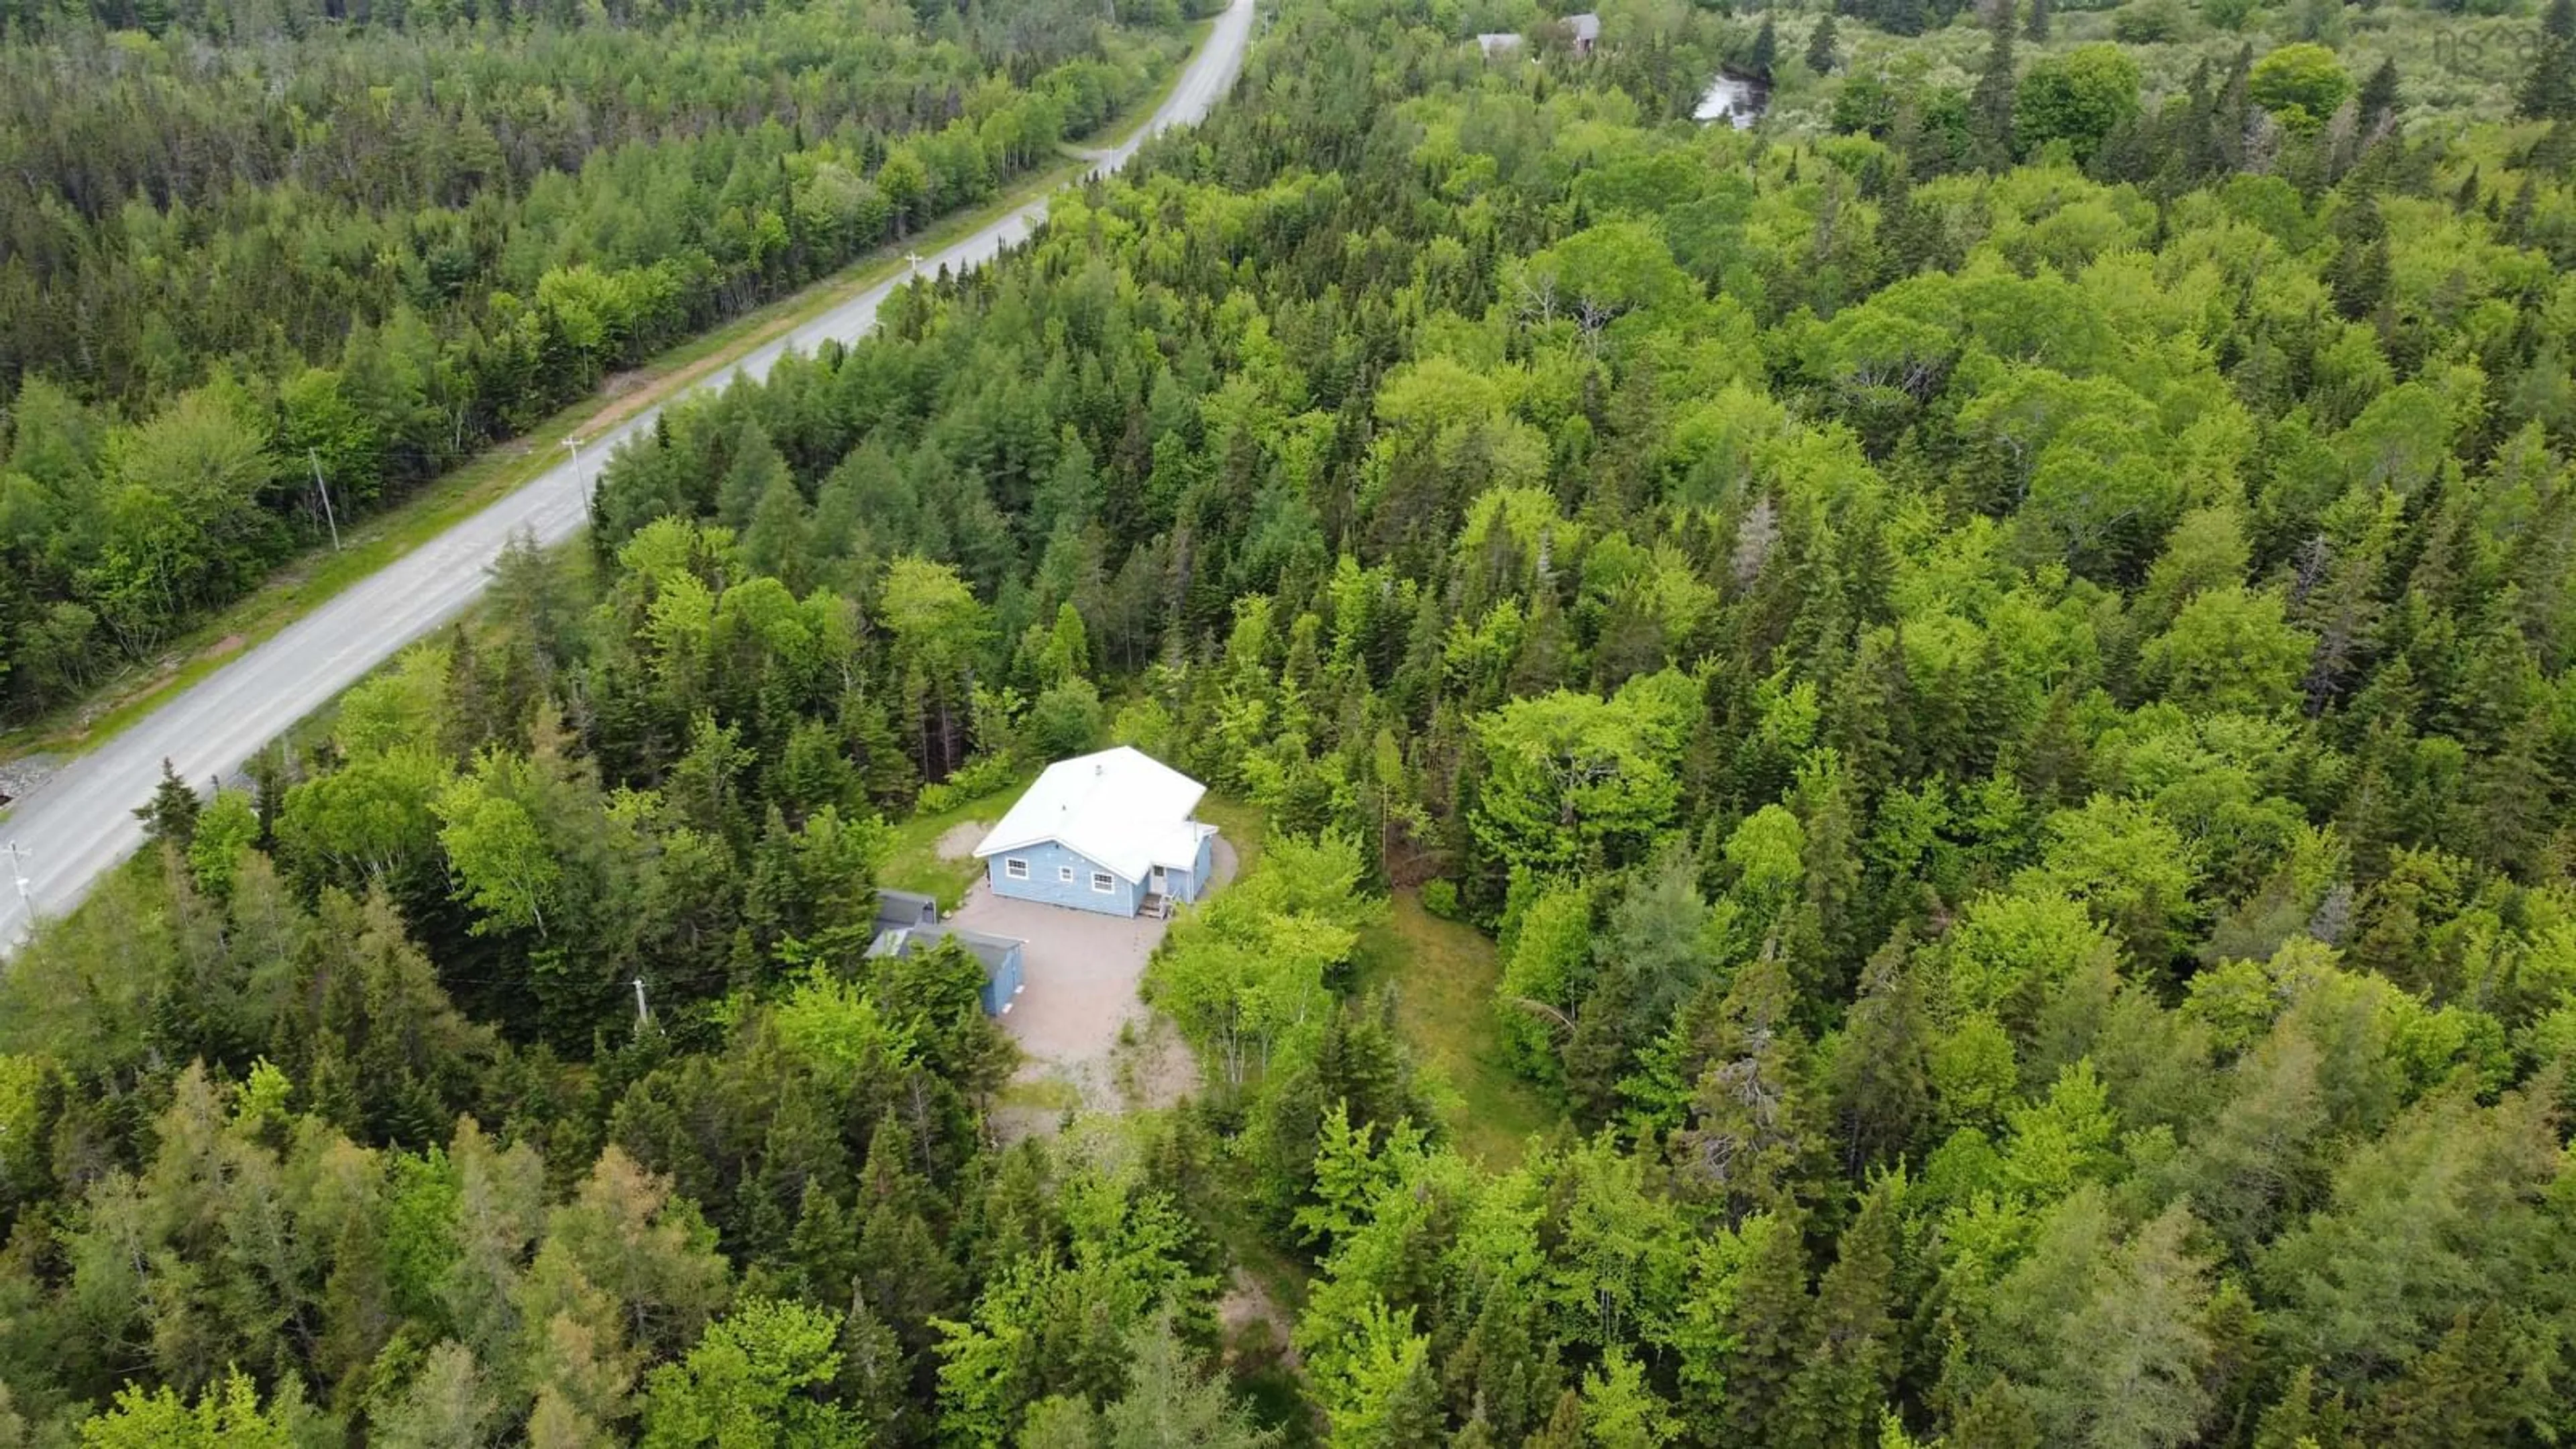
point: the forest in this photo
(238, 253)
(1988, 659)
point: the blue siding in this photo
(1001, 983)
(1190, 884)
(1046, 863)
(1199, 872)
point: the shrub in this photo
(2148, 22)
(2301, 85)
(1065, 721)
(2077, 97)
(975, 779)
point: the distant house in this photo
(1110, 832)
(907, 923)
(1498, 43)
(1584, 30)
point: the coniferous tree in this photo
(2548, 91)
(2377, 103)
(1171, 1400)
(2460, 1391)
(1990, 105)
(1837, 1396)
(171, 815)
(1999, 1417)
(1771, 1323)
(2517, 217)
(2301, 1416)
(1821, 54)
(1877, 1088)
(1564, 1427)
(2231, 119)
(2360, 275)
(1750, 1138)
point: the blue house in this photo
(1110, 832)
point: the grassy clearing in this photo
(1267, 1378)
(1040, 1094)
(1243, 827)
(917, 865)
(1276, 1396)
(368, 544)
(1443, 976)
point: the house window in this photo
(1064, 874)
(1016, 869)
(1104, 883)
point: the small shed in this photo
(1584, 30)
(1000, 956)
(897, 909)
(1497, 44)
(1112, 832)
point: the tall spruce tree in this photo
(170, 817)
(1837, 1397)
(2378, 102)
(2548, 90)
(1770, 1321)
(1990, 105)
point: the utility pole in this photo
(327, 515)
(915, 259)
(578, 480)
(18, 872)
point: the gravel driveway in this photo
(1078, 989)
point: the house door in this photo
(1154, 881)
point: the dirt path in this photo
(1253, 1322)
(958, 841)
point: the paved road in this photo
(81, 823)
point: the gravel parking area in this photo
(24, 774)
(1078, 991)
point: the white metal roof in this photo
(1121, 807)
